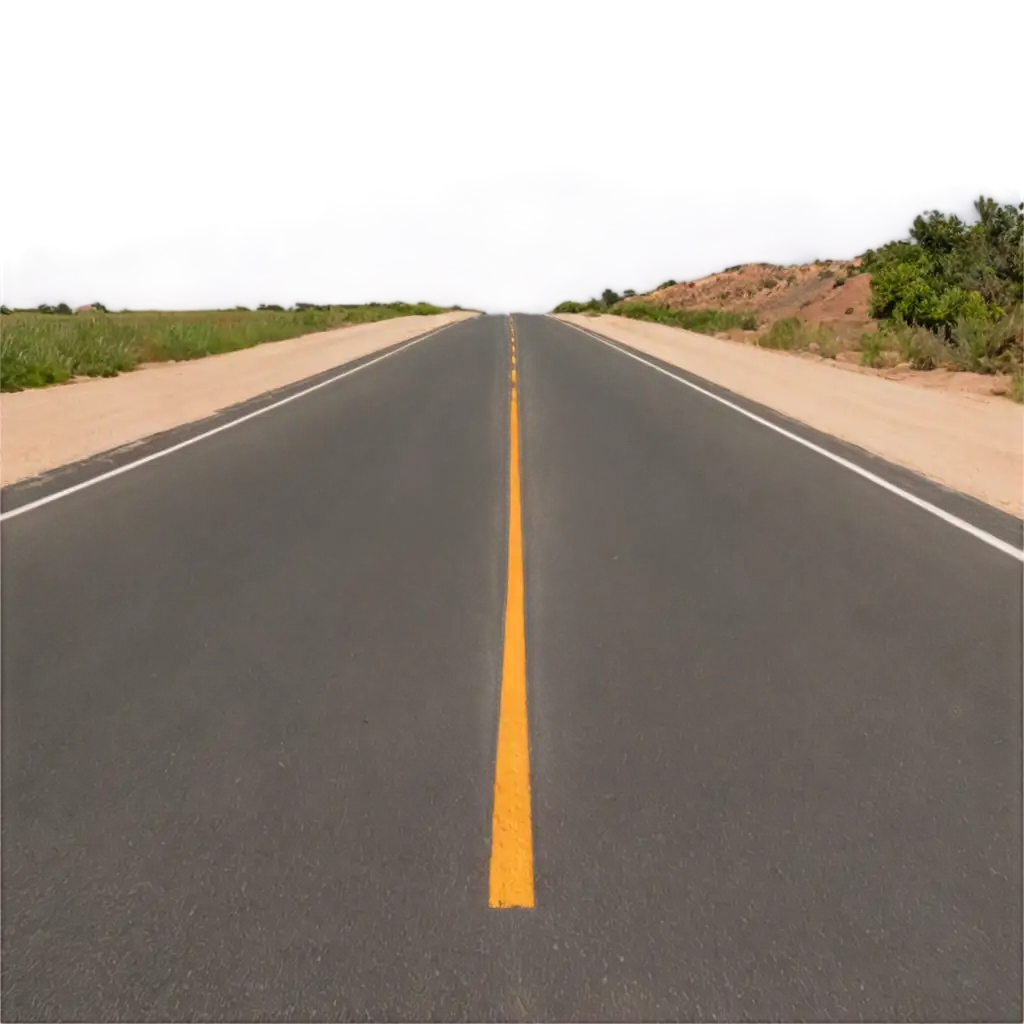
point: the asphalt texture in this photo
(250, 699)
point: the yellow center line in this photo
(511, 825)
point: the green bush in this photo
(989, 346)
(788, 333)
(792, 334)
(951, 293)
(871, 348)
(948, 271)
(704, 321)
(1017, 385)
(921, 348)
(666, 284)
(570, 307)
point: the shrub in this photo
(569, 307)
(1017, 385)
(788, 333)
(948, 271)
(4, 311)
(824, 275)
(666, 284)
(871, 348)
(704, 321)
(839, 282)
(828, 344)
(989, 346)
(769, 282)
(609, 297)
(921, 348)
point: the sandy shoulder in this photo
(49, 427)
(972, 443)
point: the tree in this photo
(628, 293)
(948, 271)
(609, 298)
(63, 309)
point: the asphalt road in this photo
(251, 694)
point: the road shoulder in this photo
(49, 428)
(971, 444)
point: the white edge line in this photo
(927, 506)
(110, 474)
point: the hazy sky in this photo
(504, 156)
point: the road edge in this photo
(163, 442)
(764, 415)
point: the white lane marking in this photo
(927, 506)
(39, 502)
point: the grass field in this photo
(37, 349)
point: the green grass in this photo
(793, 335)
(704, 321)
(1017, 385)
(37, 349)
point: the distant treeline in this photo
(415, 308)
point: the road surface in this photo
(251, 697)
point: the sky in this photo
(518, 239)
(502, 156)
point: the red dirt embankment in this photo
(831, 292)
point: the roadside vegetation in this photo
(948, 296)
(704, 321)
(51, 344)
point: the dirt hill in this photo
(833, 292)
